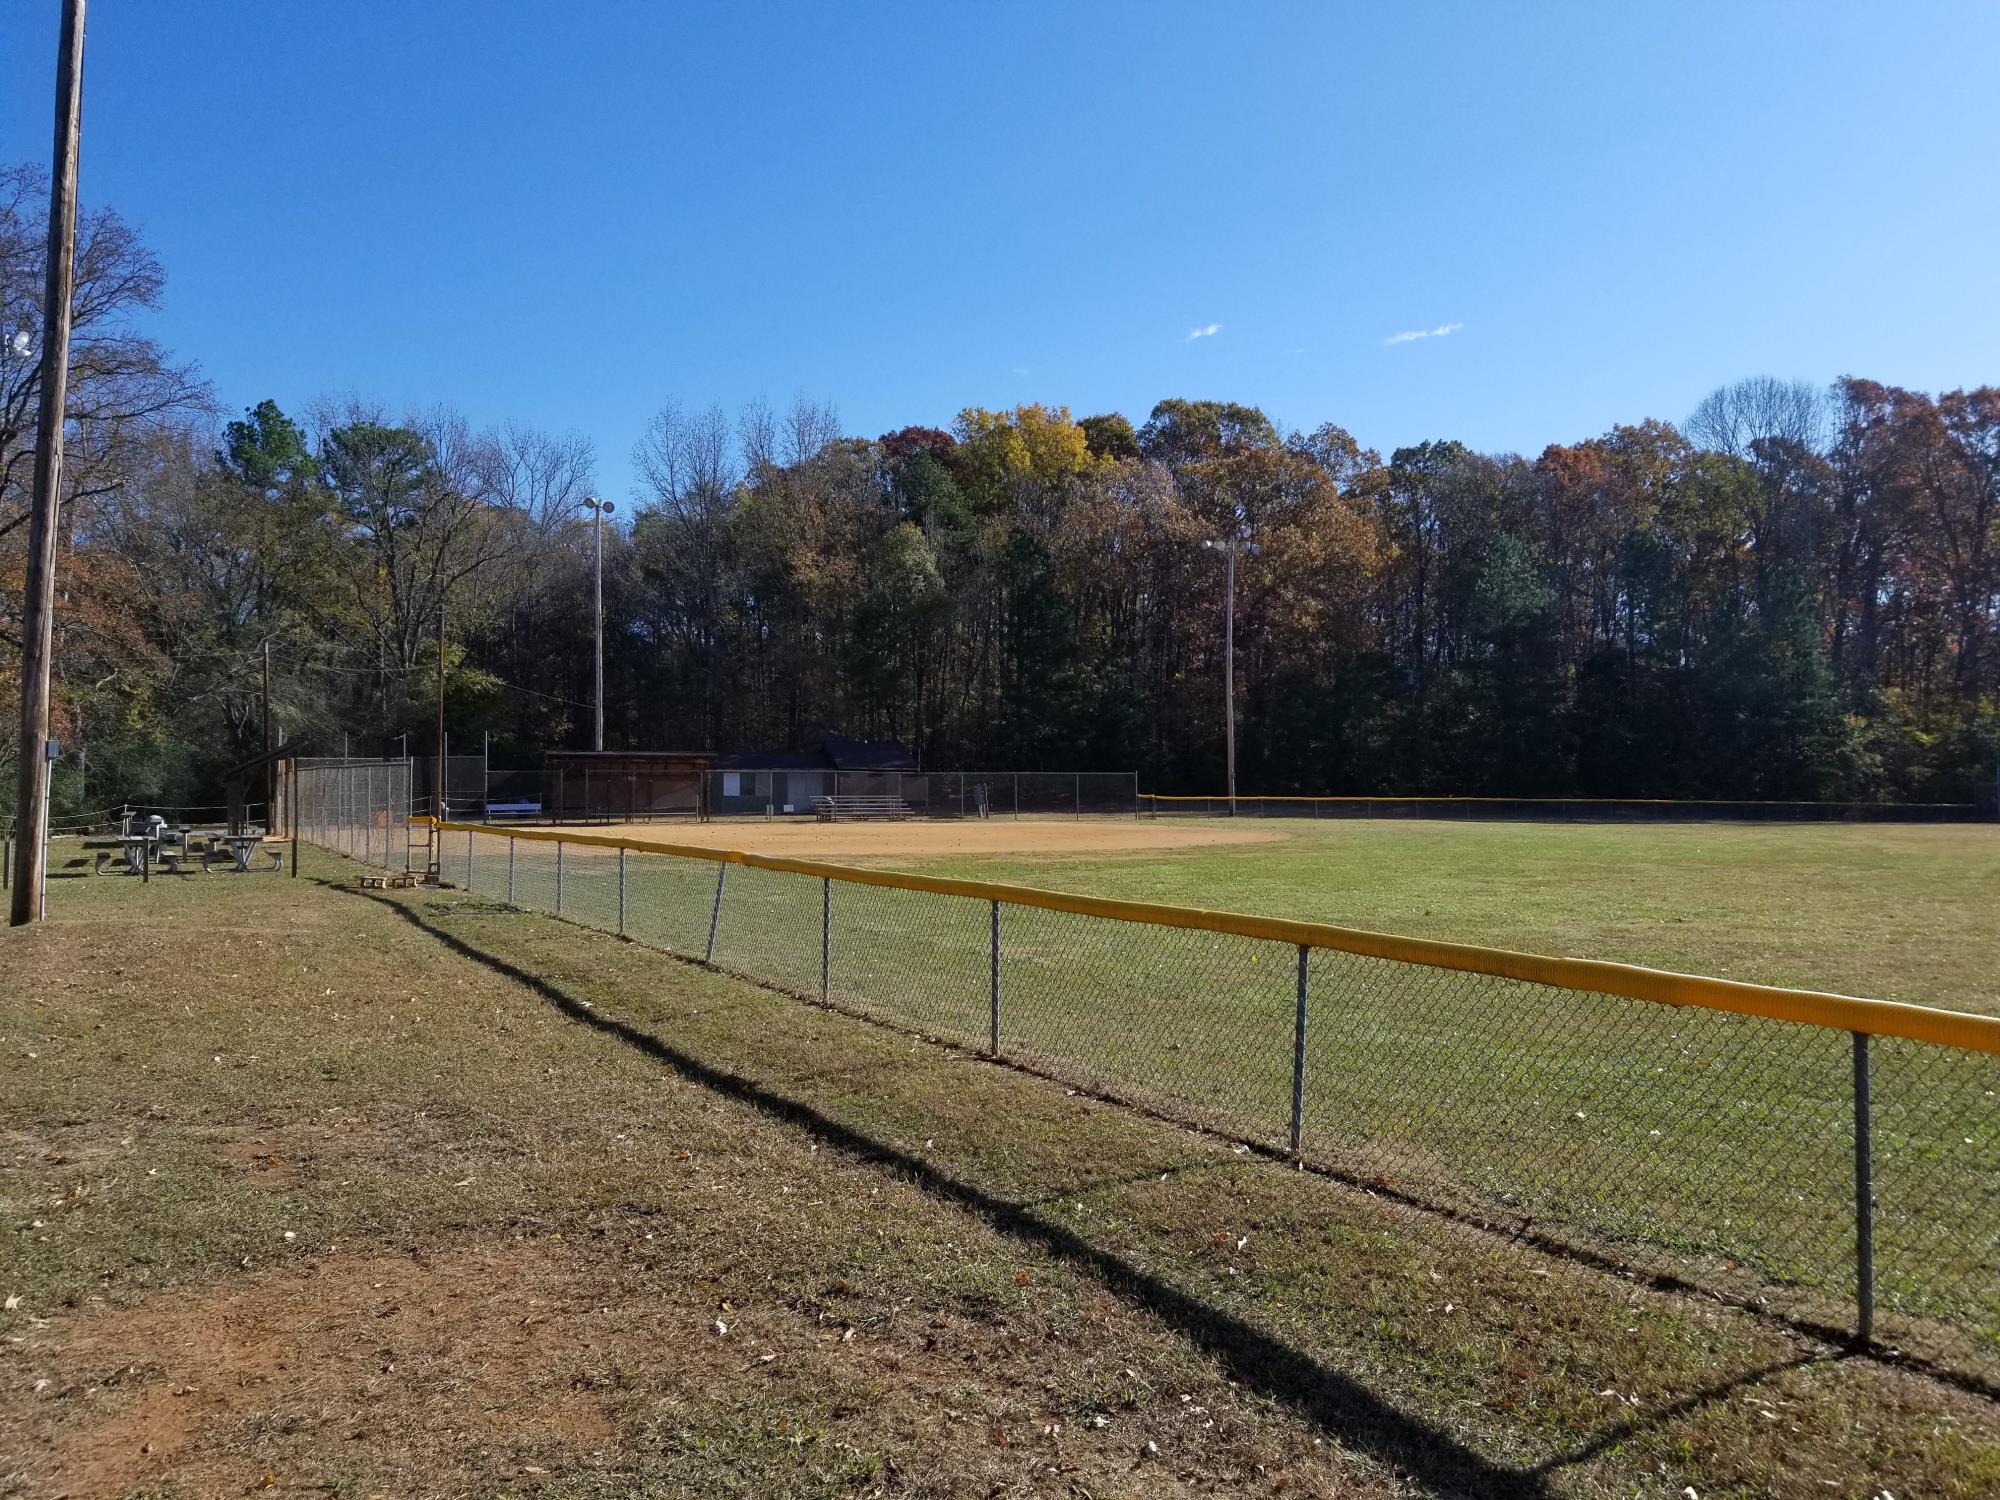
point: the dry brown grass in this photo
(527, 1171)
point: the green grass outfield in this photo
(1889, 910)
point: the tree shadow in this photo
(1622, 1432)
(1339, 1405)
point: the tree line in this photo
(1792, 593)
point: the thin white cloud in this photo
(1206, 331)
(1019, 371)
(1423, 333)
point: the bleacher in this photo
(831, 809)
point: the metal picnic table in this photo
(238, 847)
(139, 851)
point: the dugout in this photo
(624, 786)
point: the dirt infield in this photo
(810, 839)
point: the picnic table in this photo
(237, 847)
(136, 849)
(140, 851)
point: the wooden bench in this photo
(827, 809)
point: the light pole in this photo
(599, 510)
(1228, 547)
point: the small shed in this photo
(624, 786)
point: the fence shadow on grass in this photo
(1339, 1405)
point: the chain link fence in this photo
(1581, 809)
(928, 794)
(360, 808)
(1842, 1174)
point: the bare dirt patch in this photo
(811, 839)
(382, 1349)
(262, 1159)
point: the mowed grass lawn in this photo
(1700, 1144)
(1893, 911)
(310, 1192)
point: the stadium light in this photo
(599, 509)
(1229, 546)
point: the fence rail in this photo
(1823, 1158)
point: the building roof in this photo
(658, 757)
(825, 752)
(844, 754)
(772, 760)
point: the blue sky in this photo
(570, 214)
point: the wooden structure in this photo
(269, 773)
(624, 786)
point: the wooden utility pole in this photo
(31, 805)
(443, 809)
(270, 771)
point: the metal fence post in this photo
(559, 875)
(1079, 794)
(994, 1037)
(621, 892)
(715, 916)
(510, 869)
(1864, 1198)
(825, 938)
(1299, 1055)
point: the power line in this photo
(306, 664)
